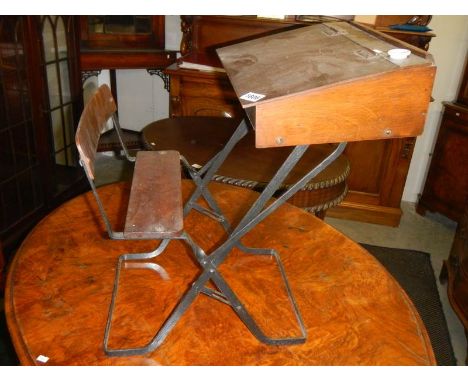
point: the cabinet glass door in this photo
(61, 108)
(21, 191)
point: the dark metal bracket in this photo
(85, 74)
(165, 77)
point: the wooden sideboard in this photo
(378, 168)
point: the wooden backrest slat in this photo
(93, 121)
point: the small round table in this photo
(200, 138)
(60, 283)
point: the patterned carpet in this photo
(413, 271)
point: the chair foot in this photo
(249, 321)
(256, 251)
(146, 255)
(226, 295)
(173, 318)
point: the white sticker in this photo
(42, 358)
(252, 97)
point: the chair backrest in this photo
(93, 121)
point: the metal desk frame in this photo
(210, 262)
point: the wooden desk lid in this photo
(336, 77)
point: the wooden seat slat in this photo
(155, 205)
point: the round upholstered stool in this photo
(200, 138)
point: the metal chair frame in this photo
(210, 263)
(120, 235)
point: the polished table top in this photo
(200, 138)
(60, 283)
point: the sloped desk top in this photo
(329, 82)
(60, 284)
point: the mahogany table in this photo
(60, 284)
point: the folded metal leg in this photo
(249, 321)
(173, 318)
(256, 214)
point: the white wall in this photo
(142, 98)
(449, 49)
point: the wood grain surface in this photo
(309, 58)
(390, 105)
(92, 123)
(60, 282)
(329, 82)
(155, 202)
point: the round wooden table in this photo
(200, 138)
(60, 282)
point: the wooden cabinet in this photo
(463, 91)
(123, 42)
(455, 269)
(446, 187)
(198, 93)
(446, 192)
(378, 168)
(40, 104)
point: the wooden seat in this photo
(155, 206)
